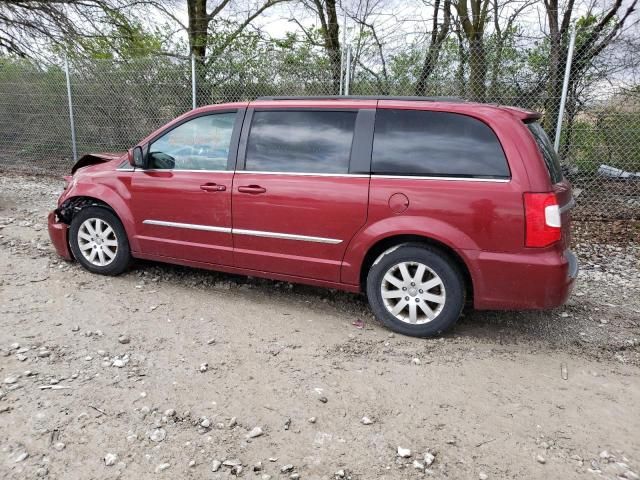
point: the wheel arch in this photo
(384, 244)
(73, 204)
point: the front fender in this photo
(95, 159)
(117, 197)
(422, 226)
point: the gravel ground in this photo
(170, 372)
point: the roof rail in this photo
(366, 97)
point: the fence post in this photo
(193, 81)
(341, 69)
(71, 122)
(565, 87)
(344, 43)
(347, 71)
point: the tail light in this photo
(542, 219)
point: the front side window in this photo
(300, 141)
(438, 144)
(199, 144)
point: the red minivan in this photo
(423, 204)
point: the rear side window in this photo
(551, 159)
(415, 142)
(300, 141)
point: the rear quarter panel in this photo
(468, 216)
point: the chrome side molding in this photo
(190, 226)
(285, 236)
(448, 179)
(238, 231)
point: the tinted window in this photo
(551, 159)
(199, 144)
(300, 141)
(414, 142)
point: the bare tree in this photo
(463, 58)
(438, 36)
(27, 25)
(594, 36)
(473, 15)
(326, 12)
(201, 15)
(369, 42)
(511, 11)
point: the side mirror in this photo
(136, 157)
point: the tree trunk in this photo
(473, 25)
(330, 31)
(494, 89)
(438, 36)
(477, 70)
(198, 39)
(460, 71)
(430, 62)
(558, 30)
(333, 44)
(554, 87)
(572, 112)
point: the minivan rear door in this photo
(301, 188)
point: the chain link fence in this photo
(117, 102)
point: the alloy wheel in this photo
(97, 241)
(413, 293)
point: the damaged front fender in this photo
(67, 209)
(94, 159)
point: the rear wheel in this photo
(99, 242)
(415, 290)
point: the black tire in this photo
(437, 261)
(122, 258)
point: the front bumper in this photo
(59, 235)
(538, 280)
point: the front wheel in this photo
(99, 242)
(415, 290)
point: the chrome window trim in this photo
(236, 231)
(285, 236)
(449, 179)
(190, 226)
(306, 174)
(171, 170)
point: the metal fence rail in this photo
(49, 111)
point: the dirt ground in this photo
(105, 377)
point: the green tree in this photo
(595, 32)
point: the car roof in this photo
(364, 97)
(452, 104)
(446, 104)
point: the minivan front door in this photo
(182, 203)
(296, 201)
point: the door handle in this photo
(212, 187)
(254, 189)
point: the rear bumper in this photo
(536, 280)
(59, 235)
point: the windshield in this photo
(551, 159)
